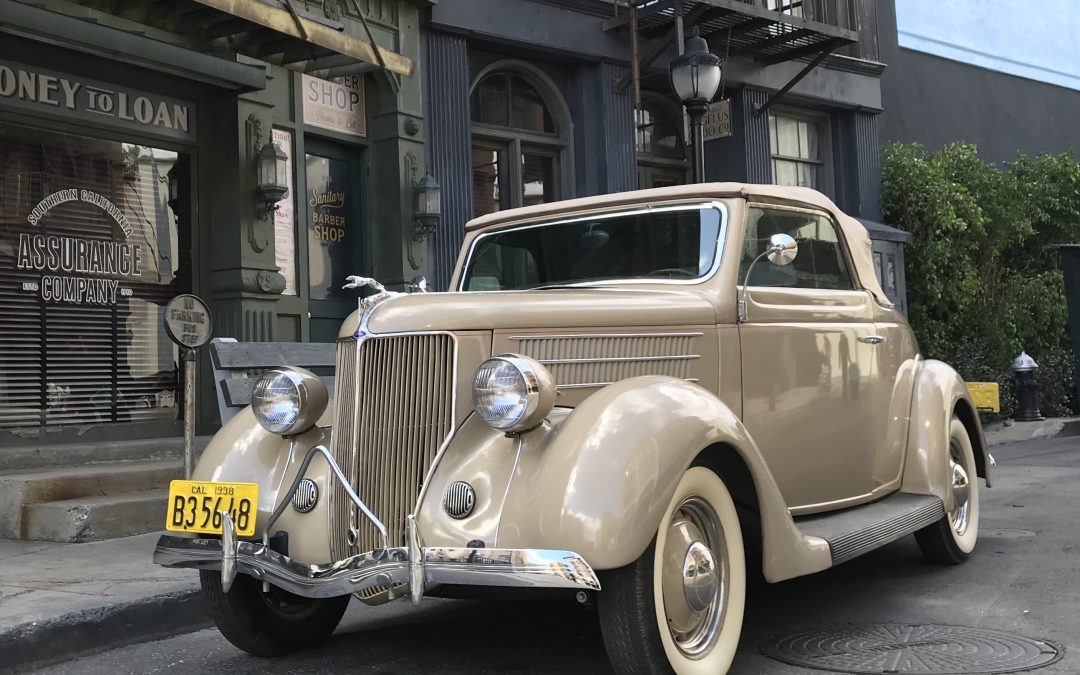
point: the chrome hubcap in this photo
(695, 577)
(961, 491)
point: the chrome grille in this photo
(394, 401)
(589, 360)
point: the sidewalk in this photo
(58, 601)
(999, 434)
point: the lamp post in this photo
(695, 77)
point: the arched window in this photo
(660, 149)
(520, 128)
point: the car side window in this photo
(820, 264)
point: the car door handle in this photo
(872, 339)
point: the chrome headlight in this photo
(513, 393)
(288, 401)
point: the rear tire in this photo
(269, 624)
(951, 540)
(652, 620)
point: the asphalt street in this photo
(1024, 578)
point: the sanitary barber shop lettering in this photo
(78, 270)
(325, 224)
(42, 91)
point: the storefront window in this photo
(91, 249)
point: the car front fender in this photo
(243, 452)
(598, 483)
(939, 395)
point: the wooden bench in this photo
(238, 366)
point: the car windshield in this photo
(679, 243)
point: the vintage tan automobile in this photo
(627, 398)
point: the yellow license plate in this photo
(196, 506)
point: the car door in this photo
(814, 399)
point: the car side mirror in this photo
(781, 251)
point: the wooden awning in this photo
(312, 40)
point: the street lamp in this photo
(695, 77)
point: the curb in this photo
(97, 630)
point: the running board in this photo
(858, 530)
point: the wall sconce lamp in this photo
(426, 207)
(271, 187)
(173, 179)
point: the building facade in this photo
(1002, 77)
(131, 135)
(130, 138)
(537, 100)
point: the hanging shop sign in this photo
(43, 91)
(336, 104)
(78, 270)
(716, 122)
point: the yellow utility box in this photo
(986, 395)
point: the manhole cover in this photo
(906, 648)
(1006, 533)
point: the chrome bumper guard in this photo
(416, 566)
(524, 568)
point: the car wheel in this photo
(952, 539)
(269, 624)
(679, 607)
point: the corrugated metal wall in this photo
(446, 92)
(756, 137)
(868, 165)
(620, 154)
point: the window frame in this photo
(825, 165)
(516, 142)
(845, 250)
(721, 244)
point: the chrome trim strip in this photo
(520, 568)
(623, 359)
(518, 445)
(721, 239)
(336, 470)
(601, 335)
(586, 385)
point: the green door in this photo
(336, 236)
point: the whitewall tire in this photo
(952, 539)
(679, 607)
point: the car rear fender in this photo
(598, 483)
(940, 394)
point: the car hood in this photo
(553, 308)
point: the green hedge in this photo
(982, 283)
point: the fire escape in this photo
(767, 31)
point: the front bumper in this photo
(387, 568)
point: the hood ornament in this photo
(366, 304)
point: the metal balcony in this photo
(769, 31)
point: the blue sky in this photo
(1039, 39)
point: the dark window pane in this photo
(658, 130)
(661, 245)
(487, 165)
(331, 231)
(491, 101)
(537, 179)
(528, 109)
(820, 262)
